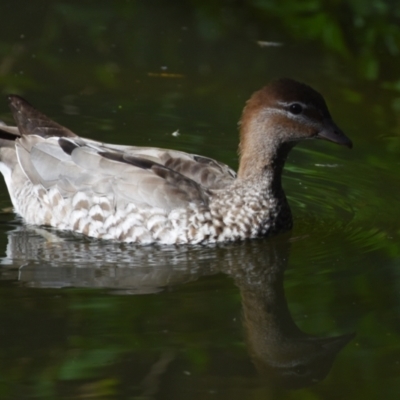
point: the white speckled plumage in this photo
(147, 195)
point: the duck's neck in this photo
(261, 148)
(251, 167)
(263, 161)
(261, 166)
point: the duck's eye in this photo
(296, 108)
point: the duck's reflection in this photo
(279, 349)
(281, 352)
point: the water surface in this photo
(312, 314)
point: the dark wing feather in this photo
(32, 122)
(187, 189)
(207, 172)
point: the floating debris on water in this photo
(175, 133)
(263, 43)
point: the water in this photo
(84, 318)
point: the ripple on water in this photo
(341, 207)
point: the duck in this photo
(147, 195)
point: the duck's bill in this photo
(334, 134)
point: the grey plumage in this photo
(143, 194)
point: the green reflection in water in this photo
(134, 72)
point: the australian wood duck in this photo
(146, 195)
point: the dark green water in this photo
(88, 319)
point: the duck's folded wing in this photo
(52, 155)
(72, 166)
(207, 172)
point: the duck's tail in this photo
(30, 121)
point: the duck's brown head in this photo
(277, 117)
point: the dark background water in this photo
(88, 319)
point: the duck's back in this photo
(59, 179)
